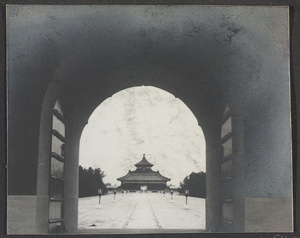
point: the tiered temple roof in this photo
(143, 174)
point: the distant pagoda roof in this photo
(143, 173)
(143, 163)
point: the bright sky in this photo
(143, 120)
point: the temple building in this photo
(143, 178)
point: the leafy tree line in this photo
(195, 183)
(90, 180)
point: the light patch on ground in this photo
(141, 211)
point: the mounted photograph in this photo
(148, 119)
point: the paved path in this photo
(141, 211)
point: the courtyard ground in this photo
(149, 211)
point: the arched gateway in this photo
(201, 59)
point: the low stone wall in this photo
(21, 214)
(268, 215)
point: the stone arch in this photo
(208, 116)
(152, 75)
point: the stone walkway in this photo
(153, 211)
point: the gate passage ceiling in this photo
(82, 45)
(206, 56)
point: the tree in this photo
(195, 183)
(90, 180)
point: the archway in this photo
(132, 122)
(207, 119)
(73, 132)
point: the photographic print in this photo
(140, 119)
